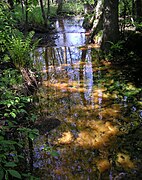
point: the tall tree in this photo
(133, 8)
(98, 19)
(43, 12)
(27, 18)
(106, 19)
(139, 10)
(60, 6)
(11, 4)
(110, 24)
(48, 6)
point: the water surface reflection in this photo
(99, 136)
(70, 32)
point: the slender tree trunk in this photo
(60, 6)
(133, 8)
(22, 6)
(98, 23)
(123, 24)
(98, 27)
(139, 10)
(26, 11)
(11, 3)
(110, 24)
(48, 6)
(43, 13)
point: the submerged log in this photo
(46, 125)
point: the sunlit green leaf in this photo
(31, 136)
(13, 114)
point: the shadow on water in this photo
(97, 112)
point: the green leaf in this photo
(2, 156)
(1, 173)
(8, 105)
(10, 164)
(54, 153)
(1, 138)
(6, 175)
(8, 142)
(20, 156)
(14, 173)
(32, 136)
(13, 114)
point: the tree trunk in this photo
(22, 6)
(98, 20)
(26, 11)
(139, 10)
(60, 6)
(133, 8)
(110, 24)
(11, 3)
(43, 13)
(48, 6)
(98, 27)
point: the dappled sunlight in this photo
(90, 46)
(84, 108)
(75, 152)
(103, 164)
(124, 160)
(104, 94)
(106, 63)
(77, 64)
(110, 112)
(130, 86)
(66, 87)
(66, 138)
(98, 69)
(96, 135)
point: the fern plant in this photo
(20, 49)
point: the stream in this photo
(89, 128)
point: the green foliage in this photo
(35, 17)
(138, 26)
(125, 7)
(12, 117)
(30, 133)
(117, 47)
(34, 14)
(16, 114)
(15, 46)
(73, 8)
(20, 49)
(6, 26)
(50, 150)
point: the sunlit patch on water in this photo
(124, 160)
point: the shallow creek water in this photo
(99, 136)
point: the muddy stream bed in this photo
(90, 128)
